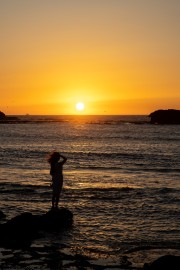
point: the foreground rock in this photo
(165, 117)
(22, 229)
(168, 262)
(2, 215)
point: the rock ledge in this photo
(165, 117)
(22, 229)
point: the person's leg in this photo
(58, 195)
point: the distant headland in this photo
(4, 118)
(162, 117)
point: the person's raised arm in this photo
(64, 159)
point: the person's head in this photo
(54, 157)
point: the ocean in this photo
(121, 181)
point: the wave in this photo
(168, 190)
(115, 154)
(131, 201)
(152, 245)
(22, 191)
(12, 188)
(125, 168)
(119, 122)
(164, 190)
(16, 186)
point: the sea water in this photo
(121, 180)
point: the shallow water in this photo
(121, 180)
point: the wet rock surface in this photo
(56, 257)
(60, 256)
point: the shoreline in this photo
(56, 256)
(51, 251)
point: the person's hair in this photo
(53, 157)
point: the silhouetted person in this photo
(56, 171)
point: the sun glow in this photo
(80, 106)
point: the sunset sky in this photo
(115, 56)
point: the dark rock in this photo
(18, 232)
(165, 117)
(22, 229)
(169, 262)
(56, 219)
(2, 215)
(7, 119)
(2, 116)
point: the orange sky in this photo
(116, 56)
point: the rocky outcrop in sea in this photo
(165, 117)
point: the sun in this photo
(80, 106)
